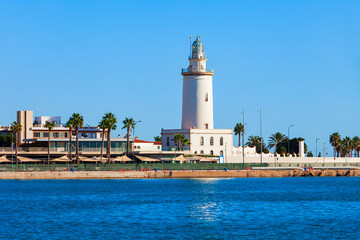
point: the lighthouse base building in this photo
(197, 111)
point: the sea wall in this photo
(177, 174)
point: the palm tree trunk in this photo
(48, 158)
(108, 146)
(127, 139)
(239, 139)
(102, 144)
(16, 145)
(77, 145)
(70, 147)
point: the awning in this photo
(147, 159)
(61, 159)
(84, 159)
(25, 159)
(180, 158)
(3, 159)
(123, 158)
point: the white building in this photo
(197, 111)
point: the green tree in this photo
(15, 128)
(110, 122)
(184, 142)
(356, 145)
(335, 142)
(239, 129)
(310, 154)
(78, 122)
(177, 139)
(129, 123)
(157, 139)
(276, 139)
(70, 125)
(256, 141)
(50, 126)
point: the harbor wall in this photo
(178, 174)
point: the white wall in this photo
(44, 119)
(284, 160)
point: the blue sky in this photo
(297, 60)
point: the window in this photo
(211, 152)
(158, 147)
(36, 134)
(167, 141)
(206, 97)
(201, 152)
(211, 141)
(46, 135)
(221, 141)
(201, 141)
(206, 126)
(195, 152)
(221, 153)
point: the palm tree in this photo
(15, 128)
(102, 126)
(275, 139)
(356, 145)
(110, 122)
(157, 139)
(70, 125)
(177, 140)
(50, 126)
(129, 123)
(78, 122)
(346, 143)
(335, 142)
(239, 130)
(184, 142)
(255, 141)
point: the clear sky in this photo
(297, 60)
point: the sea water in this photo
(247, 208)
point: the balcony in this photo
(185, 70)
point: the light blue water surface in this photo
(258, 208)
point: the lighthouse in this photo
(197, 98)
(197, 122)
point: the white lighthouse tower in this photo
(197, 123)
(197, 102)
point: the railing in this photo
(185, 70)
(123, 166)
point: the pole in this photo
(12, 148)
(261, 140)
(316, 155)
(324, 154)
(289, 138)
(243, 146)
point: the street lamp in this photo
(289, 138)
(316, 146)
(261, 140)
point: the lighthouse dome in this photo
(197, 46)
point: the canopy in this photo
(25, 159)
(202, 159)
(123, 158)
(4, 159)
(85, 159)
(147, 159)
(180, 158)
(61, 159)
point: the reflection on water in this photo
(286, 208)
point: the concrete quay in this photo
(178, 174)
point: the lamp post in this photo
(261, 140)
(316, 146)
(289, 138)
(243, 146)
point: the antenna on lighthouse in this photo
(190, 46)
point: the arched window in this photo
(195, 152)
(221, 153)
(211, 152)
(206, 97)
(201, 141)
(211, 141)
(167, 141)
(201, 152)
(221, 141)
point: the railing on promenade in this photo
(125, 167)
